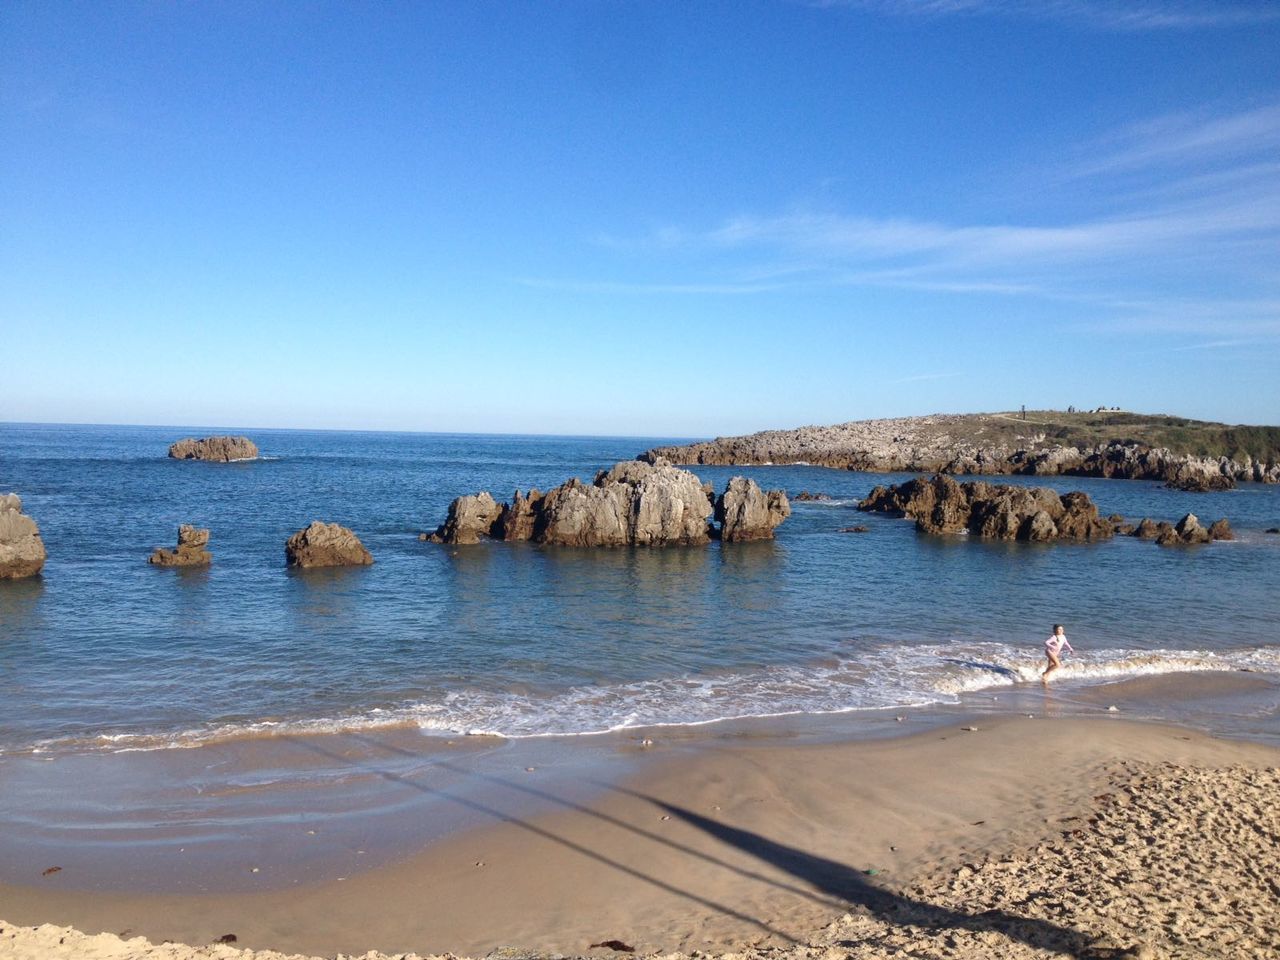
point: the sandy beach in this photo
(1013, 837)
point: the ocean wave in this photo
(882, 678)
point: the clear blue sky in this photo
(677, 219)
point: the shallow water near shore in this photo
(105, 657)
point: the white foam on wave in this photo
(880, 678)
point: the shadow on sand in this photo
(821, 880)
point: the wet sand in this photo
(1021, 837)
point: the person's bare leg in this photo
(1054, 663)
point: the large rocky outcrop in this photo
(992, 444)
(1002, 512)
(745, 512)
(633, 503)
(190, 552)
(22, 552)
(326, 545)
(217, 449)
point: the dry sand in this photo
(1023, 838)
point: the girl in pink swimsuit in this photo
(1053, 648)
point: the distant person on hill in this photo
(1053, 648)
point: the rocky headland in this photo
(326, 545)
(1186, 454)
(942, 505)
(634, 503)
(214, 449)
(190, 551)
(22, 552)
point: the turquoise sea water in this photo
(105, 653)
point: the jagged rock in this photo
(1221, 530)
(519, 518)
(632, 503)
(745, 512)
(325, 545)
(218, 449)
(857, 529)
(1189, 530)
(470, 517)
(1041, 527)
(22, 552)
(1147, 529)
(191, 550)
(1197, 478)
(804, 496)
(942, 505)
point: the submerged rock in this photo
(191, 550)
(22, 552)
(325, 545)
(216, 449)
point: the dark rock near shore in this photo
(325, 545)
(22, 552)
(942, 505)
(632, 504)
(1272, 530)
(190, 552)
(804, 496)
(745, 512)
(857, 529)
(215, 449)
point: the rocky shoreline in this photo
(982, 444)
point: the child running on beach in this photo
(1053, 650)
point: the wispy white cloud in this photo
(1125, 15)
(1188, 138)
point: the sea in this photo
(250, 726)
(106, 653)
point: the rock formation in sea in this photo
(804, 496)
(190, 552)
(634, 503)
(745, 512)
(325, 545)
(943, 505)
(216, 449)
(22, 552)
(1185, 532)
(1001, 444)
